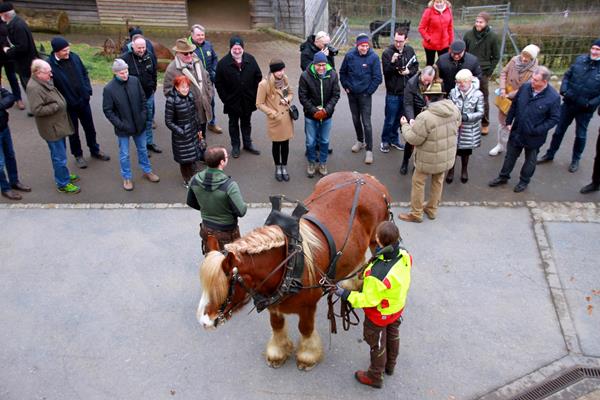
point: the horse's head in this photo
(221, 295)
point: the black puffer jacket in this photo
(395, 82)
(448, 69)
(308, 50)
(414, 102)
(124, 105)
(315, 91)
(181, 119)
(144, 68)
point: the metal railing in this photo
(340, 37)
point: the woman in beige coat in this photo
(274, 98)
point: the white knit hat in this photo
(532, 50)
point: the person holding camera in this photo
(314, 44)
(274, 98)
(399, 65)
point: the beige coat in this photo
(510, 76)
(280, 126)
(201, 86)
(434, 134)
(49, 108)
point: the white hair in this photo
(321, 35)
(464, 75)
(198, 27)
(37, 65)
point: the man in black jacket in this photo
(318, 92)
(7, 152)
(72, 81)
(142, 66)
(453, 61)
(9, 66)
(314, 44)
(124, 105)
(237, 79)
(399, 65)
(21, 47)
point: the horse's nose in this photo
(205, 321)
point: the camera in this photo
(332, 50)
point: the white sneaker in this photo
(369, 157)
(496, 150)
(358, 146)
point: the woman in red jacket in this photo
(437, 29)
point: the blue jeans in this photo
(8, 160)
(142, 153)
(512, 154)
(394, 109)
(58, 155)
(317, 132)
(149, 119)
(582, 119)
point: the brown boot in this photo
(409, 218)
(152, 177)
(365, 379)
(12, 195)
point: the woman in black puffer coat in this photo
(187, 132)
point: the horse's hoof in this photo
(303, 366)
(276, 363)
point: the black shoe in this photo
(574, 166)
(520, 187)
(101, 156)
(252, 150)
(404, 169)
(592, 187)
(450, 176)
(235, 152)
(153, 147)
(497, 182)
(544, 159)
(284, 173)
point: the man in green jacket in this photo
(482, 42)
(383, 296)
(218, 198)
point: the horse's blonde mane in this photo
(310, 242)
(258, 240)
(212, 278)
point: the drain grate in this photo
(562, 381)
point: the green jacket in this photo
(484, 45)
(218, 198)
(385, 286)
(49, 108)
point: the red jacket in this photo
(437, 29)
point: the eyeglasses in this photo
(187, 53)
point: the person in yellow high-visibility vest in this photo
(383, 296)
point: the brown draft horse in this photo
(256, 255)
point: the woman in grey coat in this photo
(469, 100)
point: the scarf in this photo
(279, 83)
(521, 67)
(482, 34)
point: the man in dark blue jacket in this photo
(72, 81)
(580, 89)
(207, 54)
(360, 75)
(534, 111)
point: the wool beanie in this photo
(319, 57)
(59, 43)
(4, 7)
(532, 50)
(276, 64)
(362, 38)
(236, 40)
(485, 16)
(119, 65)
(596, 43)
(135, 31)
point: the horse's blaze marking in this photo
(201, 316)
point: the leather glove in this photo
(320, 115)
(465, 117)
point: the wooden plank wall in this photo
(79, 11)
(291, 16)
(167, 13)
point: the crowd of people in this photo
(58, 91)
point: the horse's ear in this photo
(228, 263)
(212, 244)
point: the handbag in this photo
(504, 103)
(294, 112)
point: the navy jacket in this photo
(6, 101)
(124, 105)
(581, 84)
(206, 53)
(532, 117)
(361, 74)
(62, 83)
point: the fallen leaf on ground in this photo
(590, 308)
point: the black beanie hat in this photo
(135, 31)
(276, 65)
(4, 7)
(59, 43)
(236, 40)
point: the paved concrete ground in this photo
(99, 302)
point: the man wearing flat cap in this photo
(21, 47)
(124, 105)
(454, 60)
(72, 81)
(188, 64)
(434, 134)
(237, 79)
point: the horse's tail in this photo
(212, 278)
(310, 243)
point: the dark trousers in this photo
(280, 151)
(596, 174)
(223, 237)
(485, 89)
(360, 107)
(243, 122)
(188, 170)
(9, 69)
(430, 55)
(384, 342)
(512, 154)
(408, 150)
(568, 113)
(83, 114)
(23, 69)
